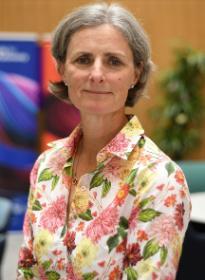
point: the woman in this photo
(105, 203)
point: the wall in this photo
(168, 22)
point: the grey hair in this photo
(94, 15)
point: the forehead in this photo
(104, 36)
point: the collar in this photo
(124, 142)
(121, 145)
(69, 143)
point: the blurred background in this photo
(30, 117)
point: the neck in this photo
(99, 130)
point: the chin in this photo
(96, 108)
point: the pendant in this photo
(74, 180)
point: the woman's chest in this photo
(93, 238)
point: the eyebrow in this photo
(115, 54)
(106, 54)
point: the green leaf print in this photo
(100, 166)
(131, 273)
(121, 232)
(52, 275)
(141, 142)
(54, 182)
(68, 170)
(112, 242)
(36, 205)
(68, 167)
(69, 162)
(106, 187)
(123, 222)
(87, 216)
(63, 231)
(170, 168)
(133, 192)
(89, 276)
(46, 265)
(45, 175)
(96, 180)
(27, 273)
(150, 249)
(145, 201)
(148, 215)
(163, 254)
(131, 177)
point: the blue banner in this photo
(20, 99)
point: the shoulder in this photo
(158, 171)
(57, 151)
(152, 156)
(161, 184)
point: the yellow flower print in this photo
(31, 199)
(145, 269)
(42, 242)
(81, 199)
(132, 128)
(124, 172)
(34, 196)
(86, 252)
(134, 155)
(125, 169)
(177, 247)
(145, 179)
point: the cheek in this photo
(76, 79)
(123, 83)
(125, 78)
(71, 74)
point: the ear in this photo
(138, 71)
(61, 69)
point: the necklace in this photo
(75, 164)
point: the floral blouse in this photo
(127, 218)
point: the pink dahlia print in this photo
(104, 224)
(119, 143)
(133, 218)
(57, 161)
(163, 229)
(54, 216)
(112, 169)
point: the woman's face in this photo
(99, 69)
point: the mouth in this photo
(97, 92)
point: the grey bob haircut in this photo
(93, 15)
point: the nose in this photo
(97, 74)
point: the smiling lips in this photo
(97, 92)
